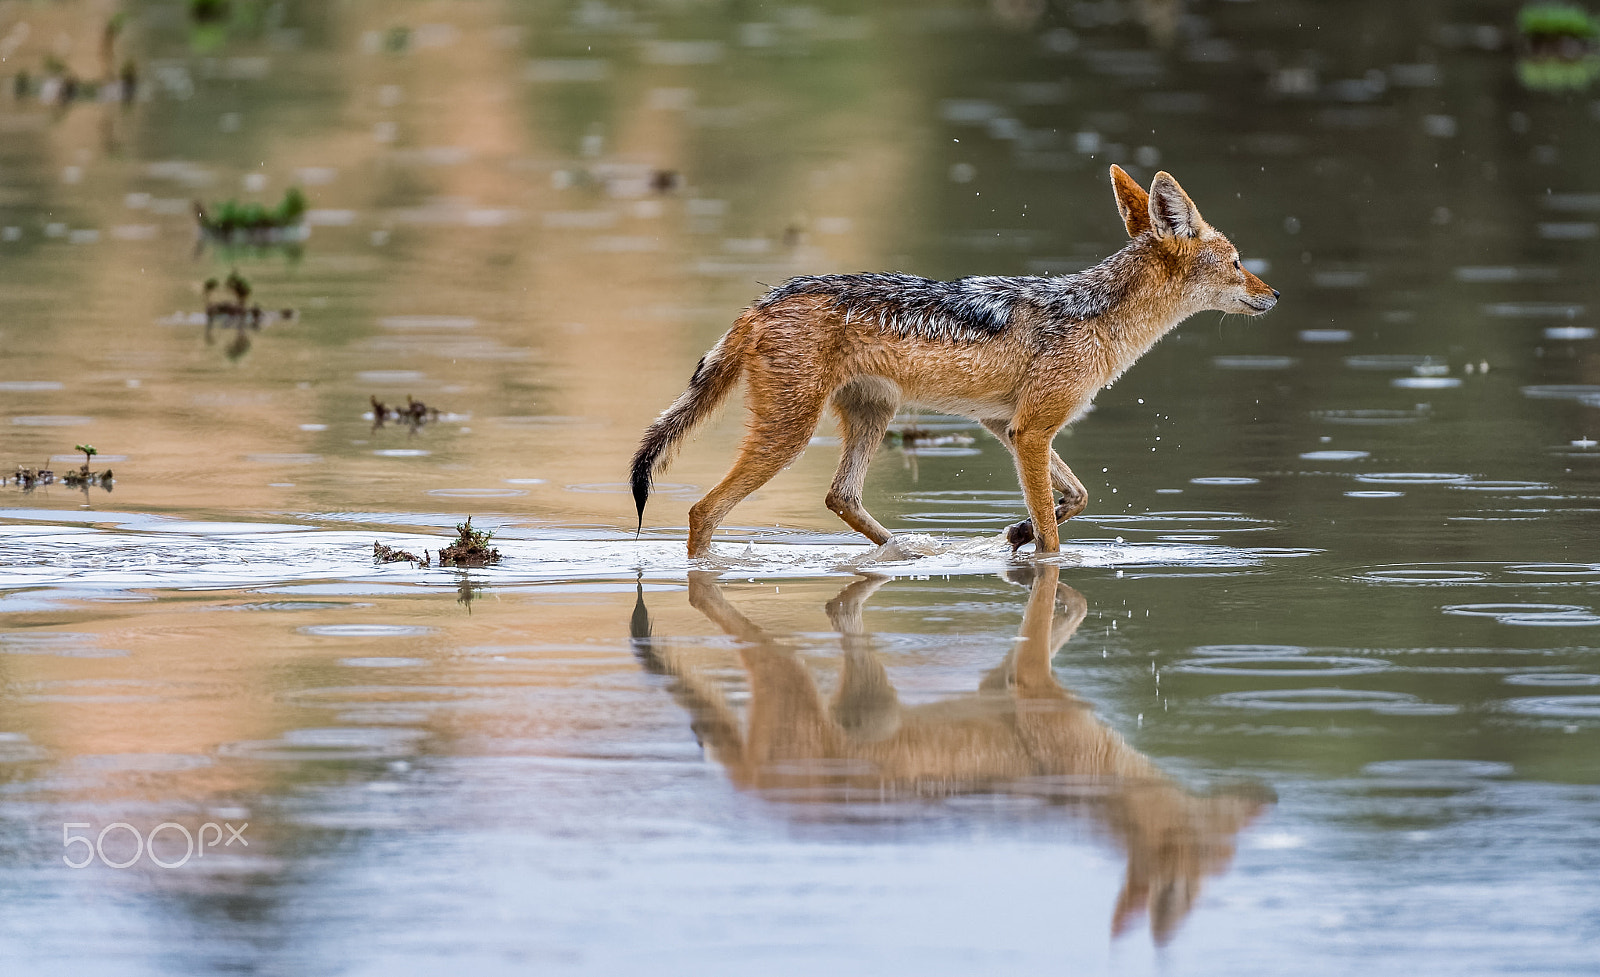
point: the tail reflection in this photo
(1019, 733)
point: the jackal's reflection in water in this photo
(1018, 733)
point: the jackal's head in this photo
(1203, 263)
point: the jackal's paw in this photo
(1019, 534)
(905, 546)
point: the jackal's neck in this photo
(1149, 302)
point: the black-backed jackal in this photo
(1024, 356)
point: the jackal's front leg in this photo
(1074, 497)
(1032, 447)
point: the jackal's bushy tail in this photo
(713, 379)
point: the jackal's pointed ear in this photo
(1132, 202)
(1172, 213)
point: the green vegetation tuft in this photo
(231, 216)
(1556, 20)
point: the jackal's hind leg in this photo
(865, 411)
(774, 441)
(1074, 498)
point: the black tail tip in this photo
(641, 495)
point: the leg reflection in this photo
(1019, 731)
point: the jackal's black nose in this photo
(1274, 293)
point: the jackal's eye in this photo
(1236, 265)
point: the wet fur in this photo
(1024, 356)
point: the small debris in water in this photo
(84, 477)
(471, 548)
(911, 437)
(59, 85)
(236, 314)
(390, 554)
(414, 414)
(29, 479)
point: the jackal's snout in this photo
(1258, 296)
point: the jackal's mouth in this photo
(1260, 305)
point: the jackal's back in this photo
(967, 310)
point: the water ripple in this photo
(1554, 679)
(1399, 362)
(1371, 416)
(51, 420)
(1236, 651)
(477, 493)
(1481, 574)
(1438, 769)
(410, 696)
(428, 322)
(1330, 700)
(1412, 478)
(1314, 665)
(1507, 485)
(1520, 613)
(1253, 362)
(1178, 521)
(1585, 392)
(67, 644)
(366, 630)
(1556, 706)
(1425, 383)
(332, 743)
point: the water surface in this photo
(1313, 687)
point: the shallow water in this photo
(1313, 687)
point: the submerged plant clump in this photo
(84, 477)
(471, 548)
(232, 222)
